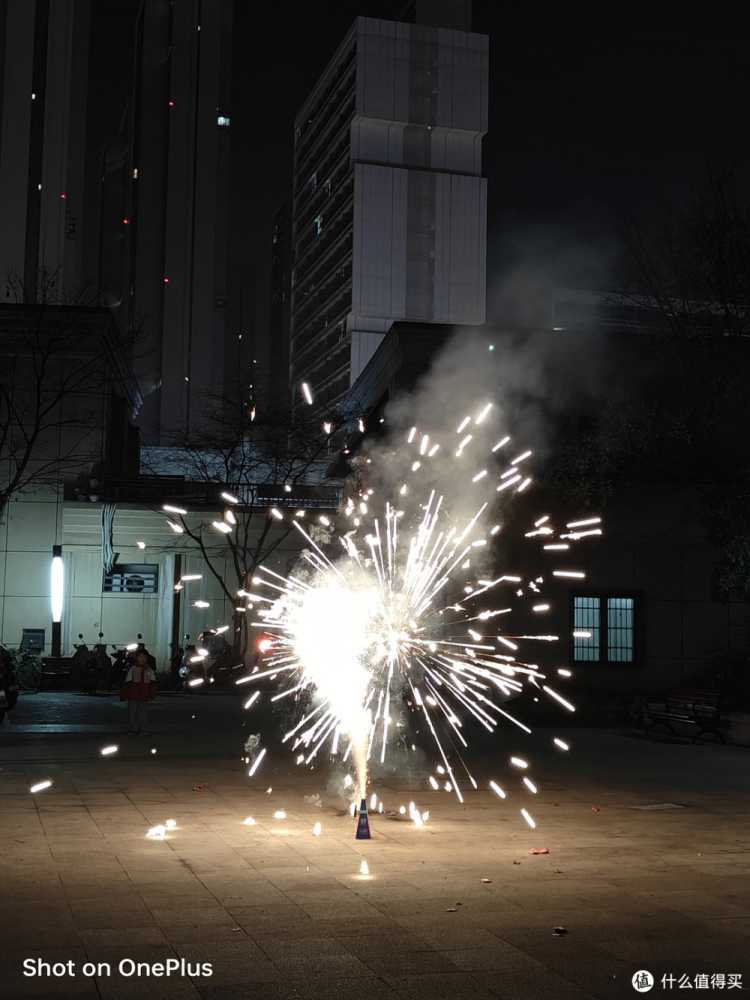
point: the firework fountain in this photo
(394, 609)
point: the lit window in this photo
(586, 625)
(604, 629)
(223, 121)
(318, 225)
(620, 629)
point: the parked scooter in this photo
(220, 663)
(78, 663)
(97, 668)
(121, 663)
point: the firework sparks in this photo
(390, 617)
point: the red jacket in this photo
(140, 684)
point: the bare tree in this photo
(688, 267)
(253, 464)
(57, 363)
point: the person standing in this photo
(138, 690)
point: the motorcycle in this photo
(122, 661)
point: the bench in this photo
(692, 707)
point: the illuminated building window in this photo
(318, 225)
(604, 628)
(223, 121)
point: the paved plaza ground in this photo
(648, 867)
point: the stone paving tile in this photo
(113, 917)
(371, 987)
(255, 991)
(406, 963)
(227, 952)
(194, 915)
(434, 986)
(498, 957)
(108, 937)
(282, 950)
(21, 937)
(327, 967)
(373, 941)
(187, 933)
(537, 985)
(124, 988)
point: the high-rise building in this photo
(43, 93)
(389, 205)
(165, 206)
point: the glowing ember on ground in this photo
(279, 814)
(249, 821)
(364, 868)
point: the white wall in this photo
(31, 527)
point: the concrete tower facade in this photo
(165, 211)
(43, 91)
(389, 205)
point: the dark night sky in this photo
(588, 118)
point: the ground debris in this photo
(655, 806)
(559, 931)
(539, 850)
(487, 881)
(596, 809)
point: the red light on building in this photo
(125, 221)
(171, 104)
(166, 280)
(64, 196)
